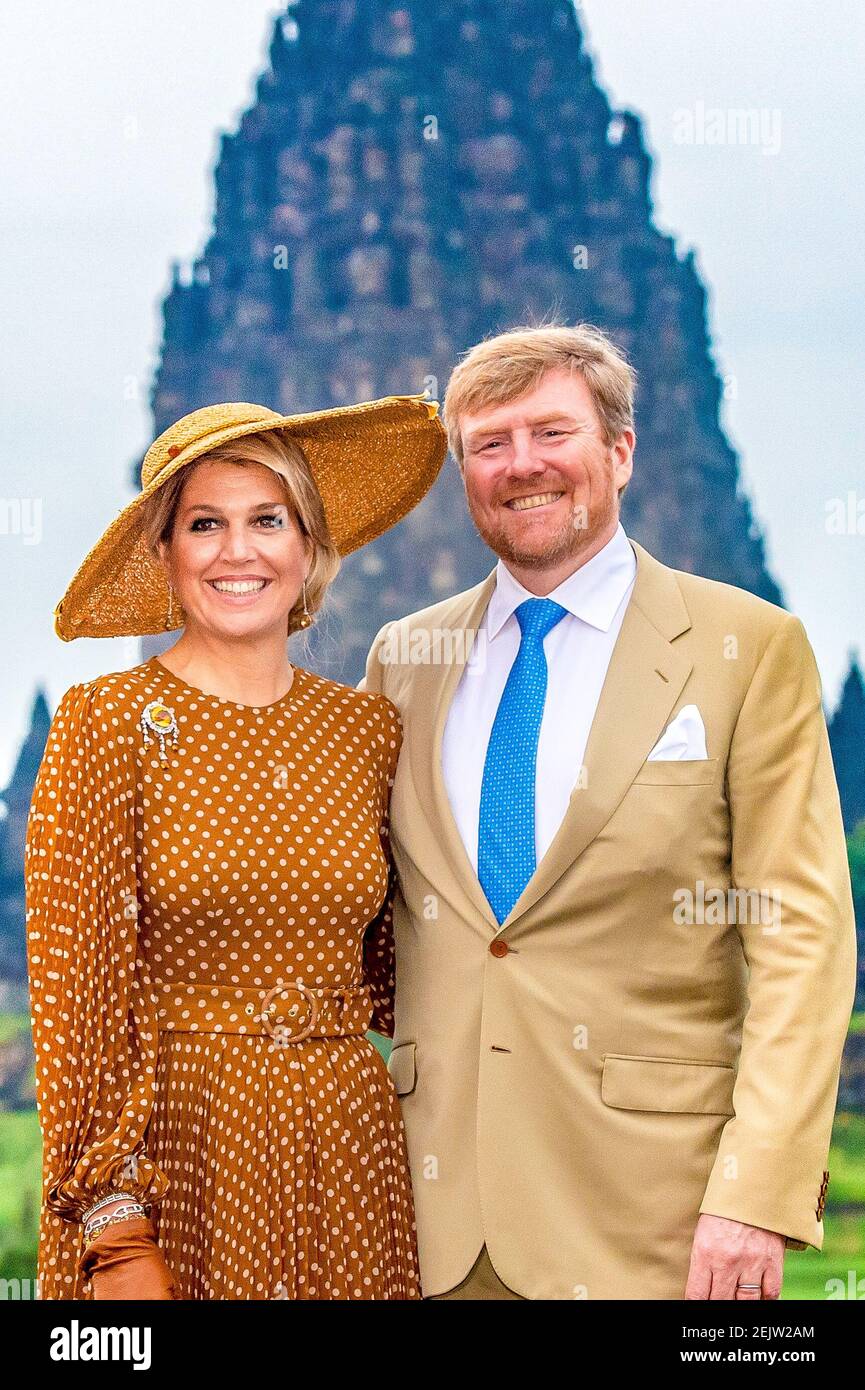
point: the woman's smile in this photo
(239, 591)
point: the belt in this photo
(287, 1012)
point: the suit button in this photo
(499, 948)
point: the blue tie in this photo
(506, 825)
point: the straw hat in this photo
(372, 463)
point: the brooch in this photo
(158, 719)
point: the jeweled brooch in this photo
(158, 719)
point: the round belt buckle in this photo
(296, 987)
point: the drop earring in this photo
(169, 617)
(306, 617)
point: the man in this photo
(624, 924)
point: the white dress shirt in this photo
(578, 651)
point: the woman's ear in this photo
(162, 555)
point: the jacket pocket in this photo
(401, 1066)
(662, 1083)
(676, 772)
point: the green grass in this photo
(12, 1026)
(847, 1161)
(807, 1272)
(20, 1183)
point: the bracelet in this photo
(102, 1216)
(103, 1201)
(110, 1221)
(100, 1222)
(96, 1223)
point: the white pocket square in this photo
(684, 738)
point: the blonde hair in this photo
(284, 457)
(509, 365)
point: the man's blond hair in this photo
(509, 365)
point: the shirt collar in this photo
(592, 593)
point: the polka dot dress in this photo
(174, 886)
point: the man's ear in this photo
(622, 452)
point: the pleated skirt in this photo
(288, 1168)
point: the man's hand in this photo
(727, 1254)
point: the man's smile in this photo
(533, 500)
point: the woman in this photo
(209, 885)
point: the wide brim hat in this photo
(372, 463)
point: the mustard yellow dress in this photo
(209, 892)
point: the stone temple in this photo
(410, 179)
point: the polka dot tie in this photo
(506, 825)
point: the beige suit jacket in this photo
(629, 1048)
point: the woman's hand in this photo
(125, 1262)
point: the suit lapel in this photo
(643, 682)
(432, 690)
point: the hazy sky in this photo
(110, 118)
